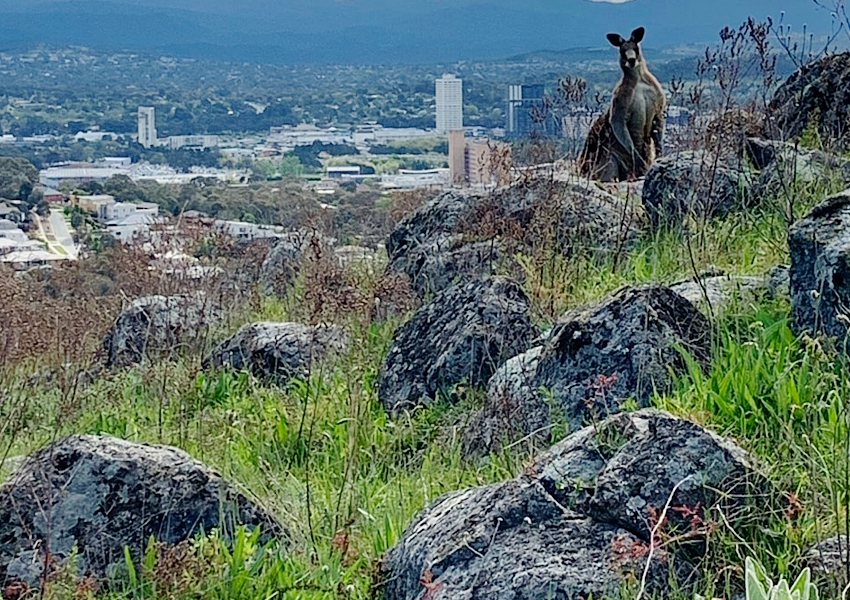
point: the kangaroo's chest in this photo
(642, 110)
(643, 103)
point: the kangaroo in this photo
(625, 140)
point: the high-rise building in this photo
(147, 126)
(457, 157)
(449, 103)
(478, 162)
(527, 112)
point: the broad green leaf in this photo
(754, 588)
(803, 584)
(782, 591)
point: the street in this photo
(61, 233)
(55, 234)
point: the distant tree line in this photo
(41, 155)
(18, 180)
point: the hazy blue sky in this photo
(380, 30)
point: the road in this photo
(61, 233)
(54, 232)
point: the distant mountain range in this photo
(376, 31)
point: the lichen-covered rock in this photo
(457, 237)
(432, 249)
(762, 152)
(513, 540)
(830, 563)
(820, 90)
(696, 183)
(98, 494)
(446, 260)
(463, 335)
(442, 215)
(624, 470)
(514, 408)
(577, 522)
(600, 355)
(284, 260)
(714, 294)
(155, 326)
(584, 217)
(793, 168)
(779, 284)
(820, 268)
(277, 351)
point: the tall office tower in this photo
(457, 157)
(147, 126)
(449, 103)
(527, 112)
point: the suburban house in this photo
(247, 231)
(10, 213)
(133, 227)
(53, 196)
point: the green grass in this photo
(323, 455)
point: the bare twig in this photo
(654, 533)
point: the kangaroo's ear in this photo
(616, 39)
(637, 35)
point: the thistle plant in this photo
(760, 587)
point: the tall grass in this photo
(323, 455)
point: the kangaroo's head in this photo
(630, 57)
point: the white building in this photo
(449, 103)
(338, 172)
(117, 162)
(54, 177)
(409, 179)
(193, 142)
(118, 211)
(27, 259)
(95, 136)
(95, 203)
(134, 227)
(247, 231)
(147, 126)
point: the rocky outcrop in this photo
(434, 266)
(463, 335)
(514, 410)
(603, 354)
(830, 563)
(819, 90)
(431, 246)
(444, 214)
(592, 361)
(284, 260)
(820, 268)
(461, 236)
(157, 326)
(512, 540)
(779, 278)
(712, 295)
(762, 152)
(277, 352)
(792, 168)
(695, 183)
(578, 522)
(98, 494)
(624, 470)
(577, 215)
